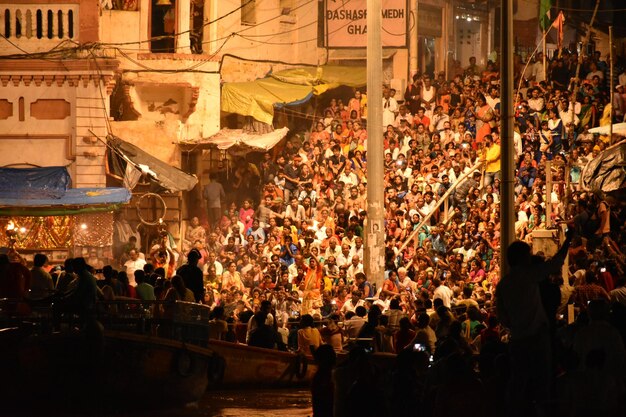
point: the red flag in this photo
(558, 25)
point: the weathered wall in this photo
(53, 111)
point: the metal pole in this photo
(413, 40)
(507, 215)
(548, 194)
(375, 226)
(611, 82)
(545, 57)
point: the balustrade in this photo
(37, 27)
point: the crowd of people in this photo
(281, 265)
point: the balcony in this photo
(37, 27)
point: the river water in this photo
(231, 403)
(294, 402)
(248, 403)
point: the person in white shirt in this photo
(355, 267)
(403, 167)
(353, 326)
(492, 97)
(295, 211)
(403, 115)
(390, 107)
(348, 177)
(345, 257)
(212, 260)
(354, 302)
(467, 251)
(442, 291)
(517, 143)
(133, 264)
(438, 120)
(565, 114)
(358, 247)
(333, 249)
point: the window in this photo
(163, 27)
(248, 12)
(286, 7)
(286, 11)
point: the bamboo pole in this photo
(439, 203)
(548, 194)
(580, 60)
(545, 55)
(611, 82)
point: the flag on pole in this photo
(558, 25)
(544, 14)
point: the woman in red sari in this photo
(484, 118)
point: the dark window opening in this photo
(39, 19)
(18, 24)
(50, 27)
(197, 27)
(70, 24)
(7, 24)
(60, 24)
(163, 28)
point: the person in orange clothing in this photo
(311, 286)
(484, 118)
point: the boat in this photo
(136, 354)
(239, 365)
(126, 365)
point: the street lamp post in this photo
(374, 228)
(507, 215)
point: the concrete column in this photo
(183, 14)
(413, 40)
(375, 226)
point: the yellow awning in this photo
(289, 87)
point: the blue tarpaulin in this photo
(75, 200)
(34, 183)
(73, 197)
(46, 192)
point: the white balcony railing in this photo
(37, 27)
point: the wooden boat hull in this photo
(239, 365)
(112, 370)
(141, 366)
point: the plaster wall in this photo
(68, 141)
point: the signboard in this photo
(429, 21)
(346, 23)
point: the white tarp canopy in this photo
(618, 129)
(228, 138)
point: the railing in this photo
(37, 27)
(177, 320)
(442, 200)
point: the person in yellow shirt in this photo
(491, 157)
(308, 336)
